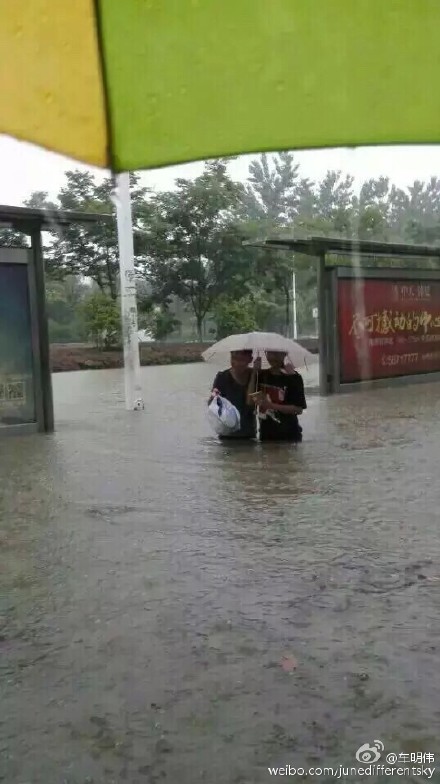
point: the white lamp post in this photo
(133, 390)
(294, 318)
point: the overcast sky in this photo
(25, 168)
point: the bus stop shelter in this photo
(26, 402)
(378, 325)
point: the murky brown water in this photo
(152, 581)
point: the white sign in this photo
(315, 312)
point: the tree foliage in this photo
(157, 320)
(64, 299)
(90, 249)
(195, 246)
(189, 243)
(102, 320)
(235, 316)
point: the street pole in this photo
(322, 327)
(133, 390)
(294, 319)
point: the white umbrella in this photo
(259, 343)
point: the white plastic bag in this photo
(223, 417)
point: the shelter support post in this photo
(323, 327)
(43, 331)
(335, 356)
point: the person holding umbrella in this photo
(233, 384)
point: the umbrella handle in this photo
(257, 356)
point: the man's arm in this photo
(295, 394)
(300, 397)
(216, 388)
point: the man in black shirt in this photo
(281, 399)
(233, 385)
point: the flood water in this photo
(178, 610)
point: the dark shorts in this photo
(291, 434)
(240, 437)
(289, 439)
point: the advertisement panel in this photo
(388, 328)
(17, 383)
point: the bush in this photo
(102, 321)
(158, 321)
(65, 333)
(163, 324)
(235, 316)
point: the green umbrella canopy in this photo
(133, 84)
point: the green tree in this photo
(422, 214)
(195, 249)
(334, 204)
(64, 300)
(102, 320)
(371, 211)
(268, 310)
(13, 239)
(91, 249)
(271, 205)
(273, 190)
(16, 239)
(234, 316)
(156, 319)
(163, 324)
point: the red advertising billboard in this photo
(388, 328)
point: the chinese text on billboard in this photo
(388, 328)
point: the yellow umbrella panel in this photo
(133, 84)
